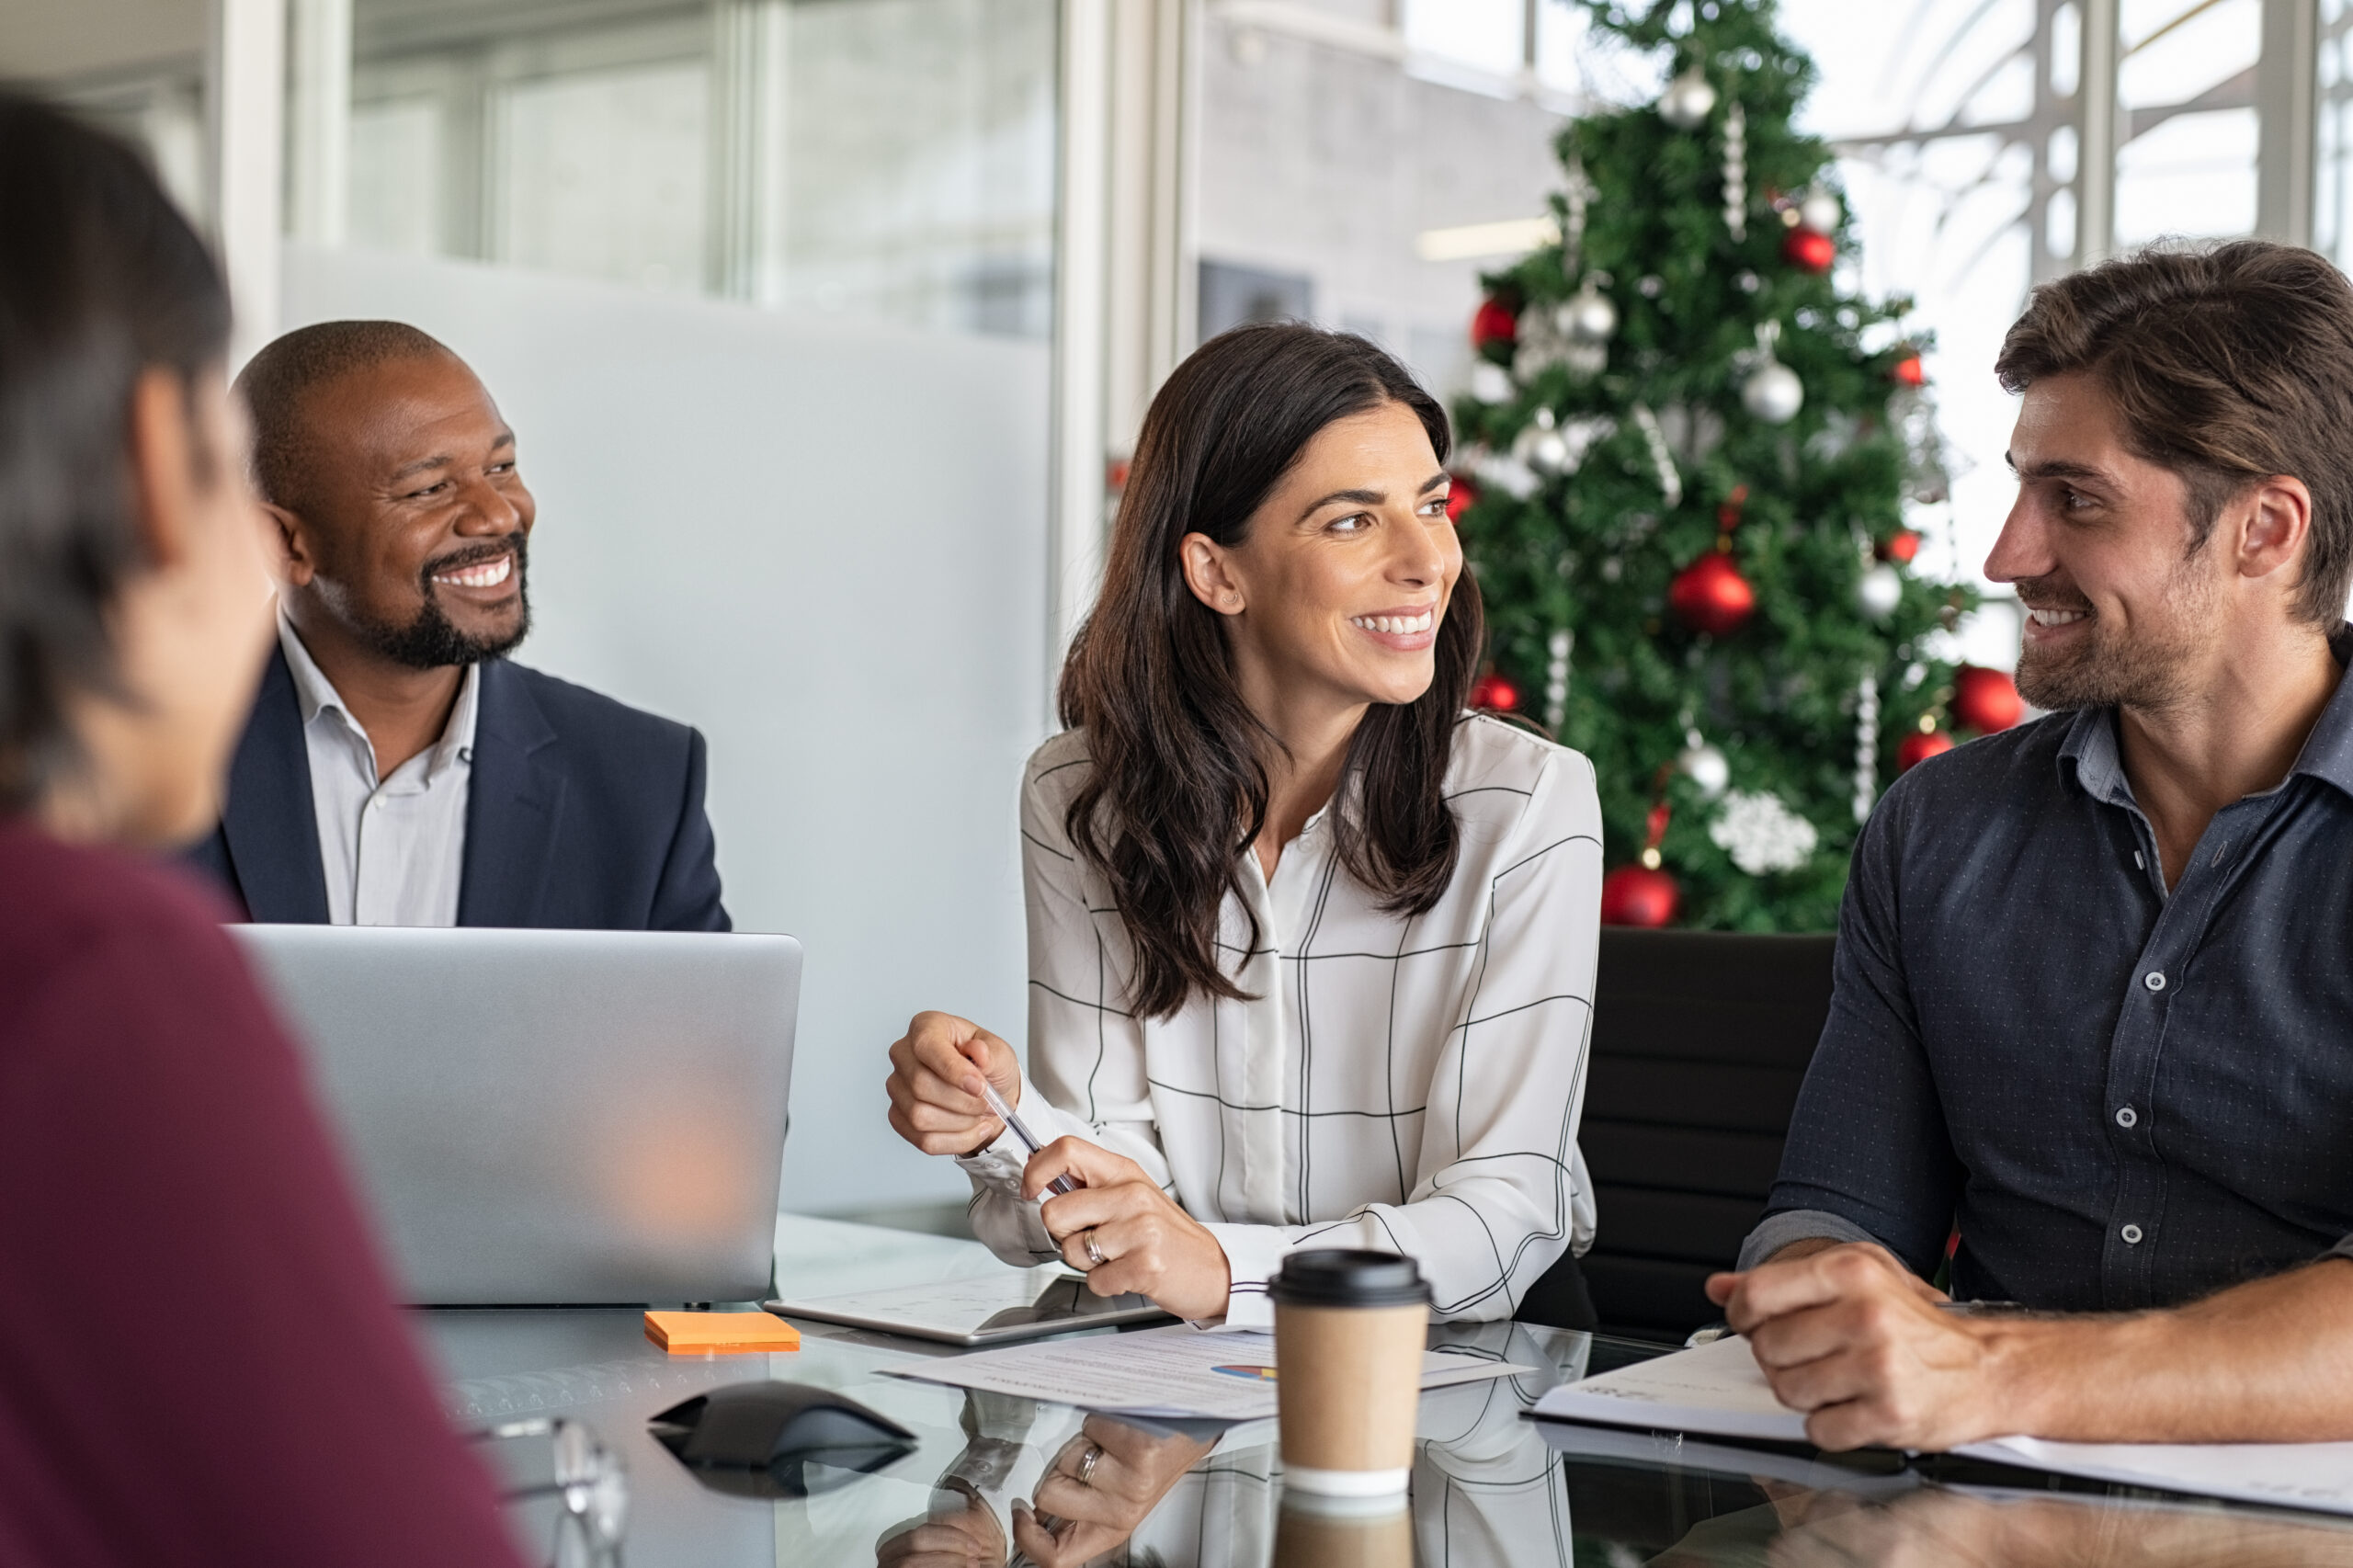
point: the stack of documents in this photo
(1173, 1373)
(1716, 1391)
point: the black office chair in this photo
(1699, 1041)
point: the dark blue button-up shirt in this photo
(2123, 1098)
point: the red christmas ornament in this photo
(1491, 693)
(1919, 747)
(1986, 701)
(1711, 596)
(1638, 895)
(1902, 546)
(1809, 249)
(1496, 325)
(1460, 496)
(1910, 371)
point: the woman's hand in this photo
(1098, 1490)
(1143, 1241)
(933, 1070)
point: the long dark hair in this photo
(100, 279)
(1179, 787)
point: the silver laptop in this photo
(551, 1117)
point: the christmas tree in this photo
(1689, 447)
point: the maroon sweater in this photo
(200, 1360)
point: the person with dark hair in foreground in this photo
(1311, 948)
(199, 1361)
(2094, 989)
(398, 769)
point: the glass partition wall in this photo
(882, 159)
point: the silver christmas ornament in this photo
(1879, 591)
(1820, 213)
(1588, 318)
(1772, 391)
(1688, 101)
(1706, 767)
(1541, 446)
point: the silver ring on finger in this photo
(1087, 1461)
(1095, 1259)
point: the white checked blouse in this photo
(1404, 1083)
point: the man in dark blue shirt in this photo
(2094, 1005)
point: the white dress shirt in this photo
(394, 848)
(1404, 1083)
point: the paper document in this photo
(1176, 1373)
(1716, 1391)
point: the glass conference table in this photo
(1489, 1486)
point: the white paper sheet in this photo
(1717, 1390)
(1713, 1390)
(1178, 1371)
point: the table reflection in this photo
(1046, 1485)
(1486, 1488)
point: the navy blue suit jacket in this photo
(581, 812)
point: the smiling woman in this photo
(1310, 950)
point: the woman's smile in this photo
(1407, 629)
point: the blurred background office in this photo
(825, 325)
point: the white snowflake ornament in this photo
(1761, 834)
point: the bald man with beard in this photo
(399, 768)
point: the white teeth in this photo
(2055, 617)
(1397, 625)
(489, 574)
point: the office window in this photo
(1958, 130)
(2185, 85)
(2333, 197)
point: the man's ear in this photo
(1209, 573)
(291, 560)
(2276, 525)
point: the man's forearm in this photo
(2268, 1362)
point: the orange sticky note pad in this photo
(698, 1334)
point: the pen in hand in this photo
(1006, 1113)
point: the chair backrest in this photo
(1699, 1041)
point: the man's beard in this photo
(431, 641)
(2148, 669)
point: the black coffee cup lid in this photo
(1342, 1277)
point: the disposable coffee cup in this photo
(1330, 1532)
(1349, 1332)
